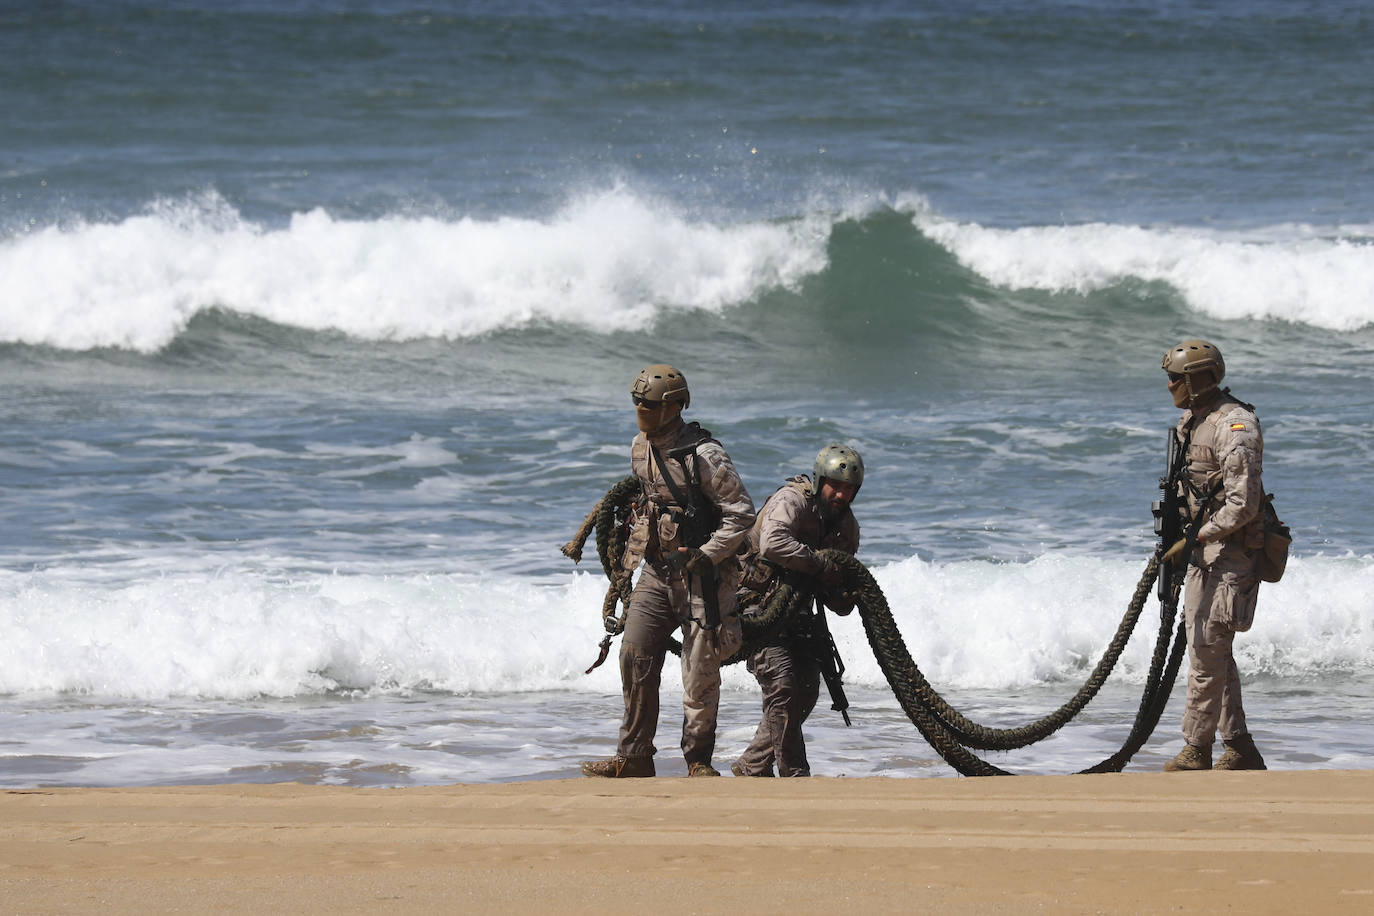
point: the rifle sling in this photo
(687, 504)
(709, 599)
(828, 659)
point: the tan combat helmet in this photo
(838, 462)
(660, 382)
(1199, 363)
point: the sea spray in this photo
(1299, 273)
(608, 261)
(240, 633)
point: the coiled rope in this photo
(609, 517)
(947, 730)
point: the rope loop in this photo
(948, 731)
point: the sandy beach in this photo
(1249, 842)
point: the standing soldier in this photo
(803, 516)
(1223, 450)
(687, 528)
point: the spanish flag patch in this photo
(1237, 427)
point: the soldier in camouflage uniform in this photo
(687, 528)
(1224, 452)
(803, 516)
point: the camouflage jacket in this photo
(657, 524)
(1226, 446)
(786, 535)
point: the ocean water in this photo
(317, 323)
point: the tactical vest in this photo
(669, 515)
(1203, 466)
(760, 576)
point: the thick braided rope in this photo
(1159, 683)
(947, 730)
(1152, 702)
(901, 672)
(785, 605)
(758, 628)
(611, 540)
(1008, 739)
(611, 513)
(889, 649)
(608, 519)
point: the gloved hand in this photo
(831, 575)
(1172, 553)
(842, 603)
(1183, 547)
(690, 559)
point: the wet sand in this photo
(1248, 842)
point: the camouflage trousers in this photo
(658, 607)
(1216, 601)
(791, 681)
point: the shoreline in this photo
(1272, 841)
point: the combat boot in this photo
(1191, 757)
(738, 769)
(1241, 754)
(618, 767)
(702, 769)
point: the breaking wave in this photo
(239, 633)
(614, 261)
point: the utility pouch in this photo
(698, 518)
(637, 544)
(1273, 557)
(667, 533)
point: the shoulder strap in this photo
(682, 451)
(684, 501)
(1203, 498)
(1246, 405)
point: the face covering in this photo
(652, 419)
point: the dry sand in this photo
(1281, 842)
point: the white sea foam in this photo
(979, 624)
(240, 633)
(608, 261)
(1298, 273)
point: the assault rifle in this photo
(1169, 512)
(822, 646)
(1172, 521)
(697, 521)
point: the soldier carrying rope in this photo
(686, 526)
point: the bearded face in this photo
(834, 498)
